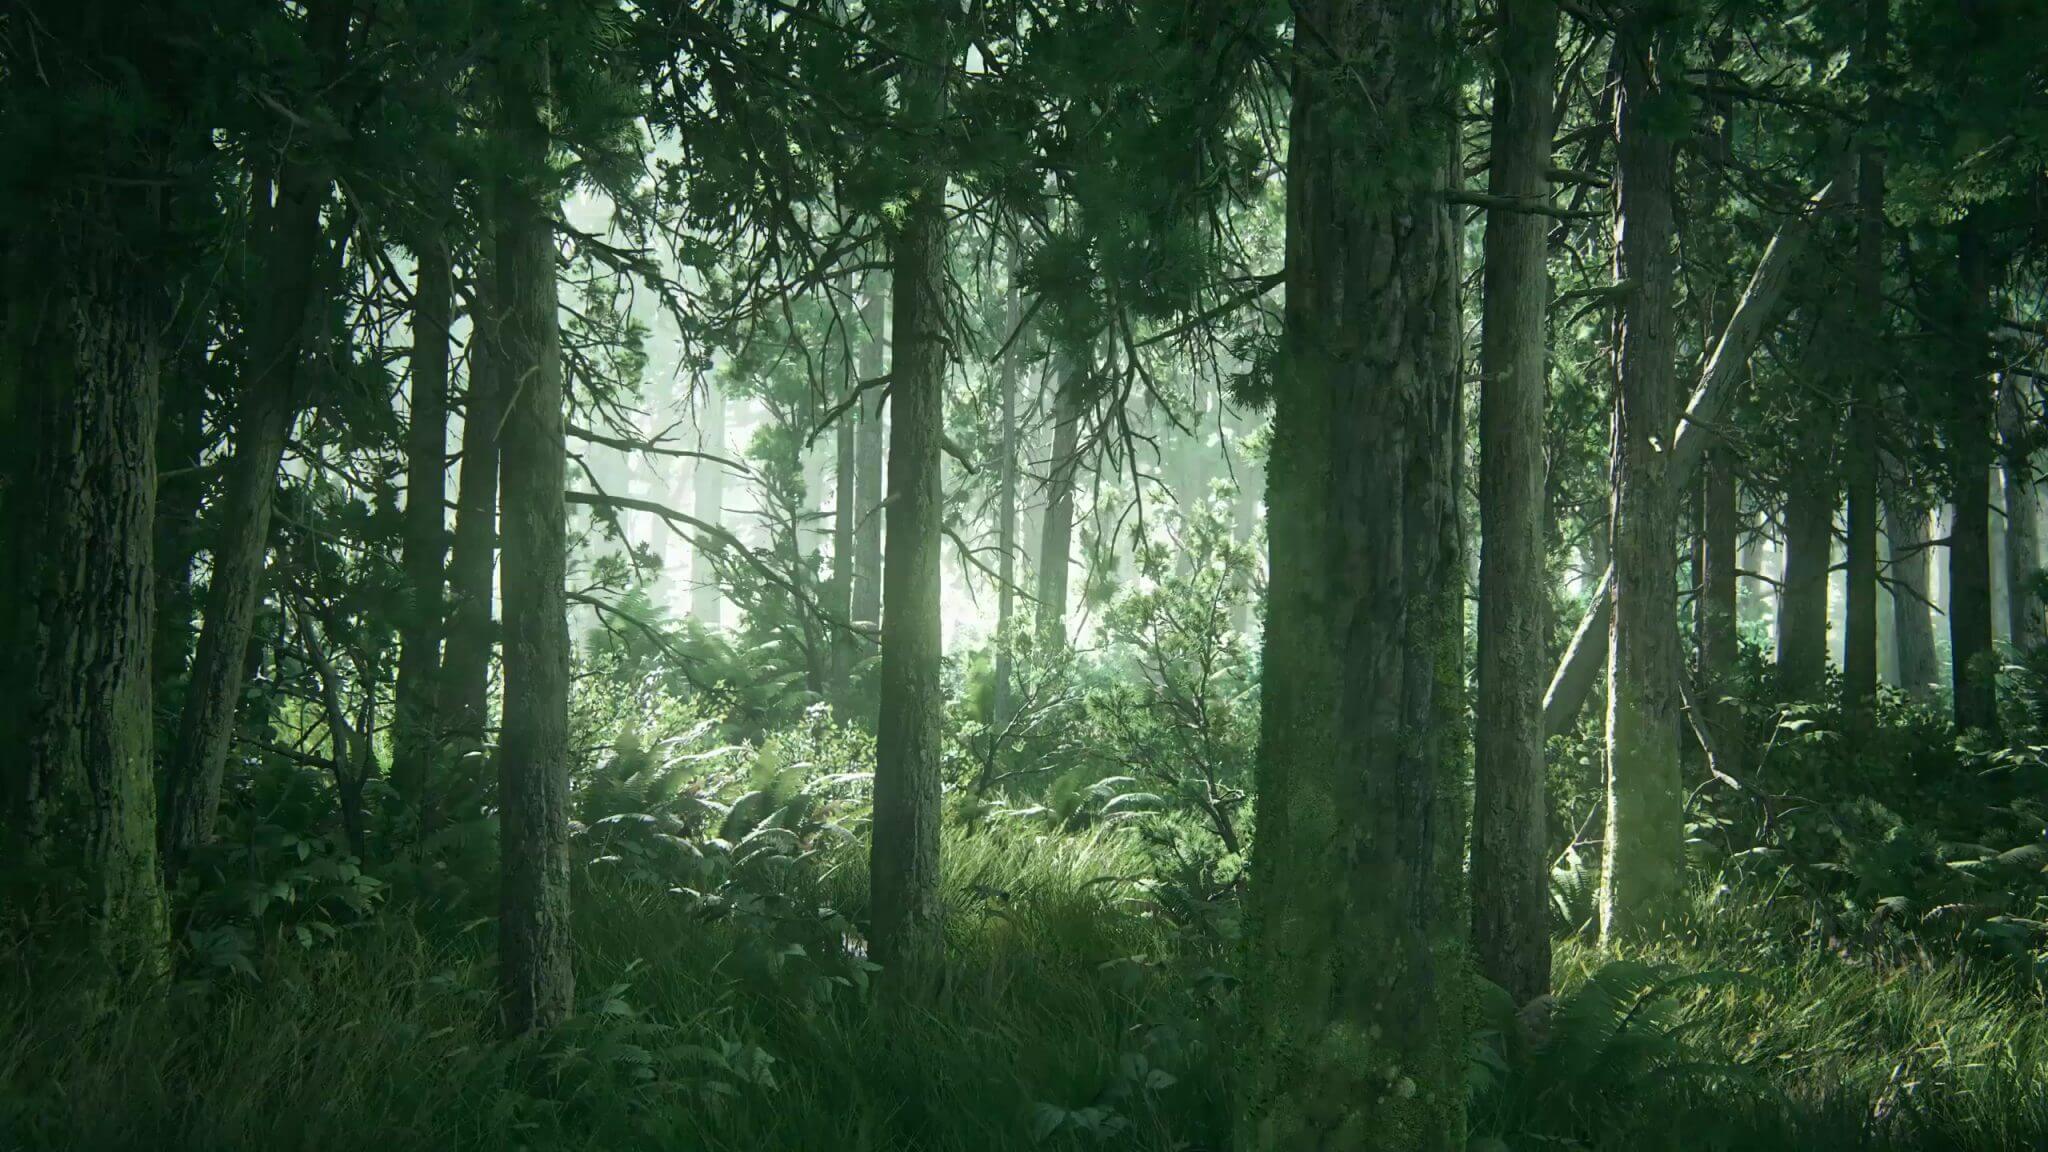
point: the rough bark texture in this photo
(1859, 637)
(90, 730)
(1056, 530)
(1719, 644)
(906, 930)
(1905, 527)
(869, 454)
(464, 706)
(413, 734)
(1974, 662)
(1510, 854)
(1809, 552)
(271, 393)
(537, 981)
(2022, 518)
(1644, 861)
(1723, 374)
(1356, 996)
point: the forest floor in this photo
(1080, 1009)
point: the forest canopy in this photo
(1379, 575)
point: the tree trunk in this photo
(1974, 662)
(1719, 638)
(1809, 553)
(869, 454)
(1056, 530)
(1859, 638)
(2022, 519)
(271, 392)
(1912, 619)
(1006, 512)
(1356, 993)
(1644, 862)
(906, 929)
(846, 501)
(707, 602)
(1510, 841)
(537, 982)
(90, 728)
(463, 711)
(413, 735)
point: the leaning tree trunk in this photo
(869, 452)
(537, 982)
(1510, 842)
(91, 733)
(413, 734)
(1356, 993)
(903, 860)
(463, 711)
(1056, 530)
(1643, 866)
(1974, 662)
(268, 405)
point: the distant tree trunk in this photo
(707, 601)
(269, 400)
(1006, 514)
(1974, 663)
(1510, 841)
(1912, 621)
(1859, 637)
(1056, 531)
(868, 458)
(1719, 641)
(463, 711)
(2022, 519)
(537, 981)
(846, 501)
(1809, 552)
(90, 728)
(1644, 862)
(1356, 990)
(906, 930)
(413, 735)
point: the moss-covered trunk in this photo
(1355, 989)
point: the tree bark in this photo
(271, 393)
(1719, 640)
(1006, 512)
(2022, 519)
(707, 600)
(463, 712)
(91, 732)
(846, 502)
(537, 981)
(906, 930)
(1809, 553)
(1356, 993)
(414, 727)
(1912, 617)
(1510, 841)
(1643, 867)
(1056, 530)
(1719, 380)
(1860, 633)
(1974, 662)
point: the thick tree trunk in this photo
(271, 393)
(1006, 515)
(91, 732)
(1643, 866)
(707, 503)
(413, 735)
(1056, 530)
(1912, 618)
(869, 454)
(1719, 644)
(1719, 380)
(1510, 841)
(537, 982)
(463, 712)
(1809, 553)
(906, 928)
(1974, 662)
(1356, 994)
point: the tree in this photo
(1056, 530)
(1859, 641)
(415, 734)
(1356, 995)
(537, 981)
(1643, 863)
(1510, 845)
(1969, 427)
(869, 481)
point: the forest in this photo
(1340, 575)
